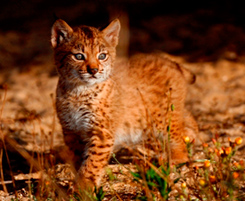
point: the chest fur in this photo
(83, 109)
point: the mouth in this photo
(87, 78)
(93, 76)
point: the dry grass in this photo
(31, 136)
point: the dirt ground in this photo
(217, 99)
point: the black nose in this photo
(92, 70)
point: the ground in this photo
(30, 127)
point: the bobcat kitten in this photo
(102, 105)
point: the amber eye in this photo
(102, 56)
(79, 56)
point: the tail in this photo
(188, 75)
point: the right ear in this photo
(111, 32)
(60, 32)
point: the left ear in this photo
(60, 32)
(111, 32)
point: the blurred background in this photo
(207, 36)
(197, 30)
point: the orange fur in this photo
(103, 105)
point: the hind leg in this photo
(178, 151)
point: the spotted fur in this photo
(103, 105)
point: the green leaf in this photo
(176, 180)
(100, 194)
(164, 171)
(150, 174)
(136, 175)
(143, 198)
(172, 107)
(151, 184)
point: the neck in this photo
(68, 87)
(73, 89)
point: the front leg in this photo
(96, 155)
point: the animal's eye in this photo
(102, 56)
(79, 56)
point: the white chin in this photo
(89, 81)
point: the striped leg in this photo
(97, 154)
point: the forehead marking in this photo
(88, 32)
(101, 47)
(79, 46)
(89, 37)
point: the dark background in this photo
(197, 30)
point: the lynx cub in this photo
(103, 105)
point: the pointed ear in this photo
(60, 32)
(111, 32)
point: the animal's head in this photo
(84, 55)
